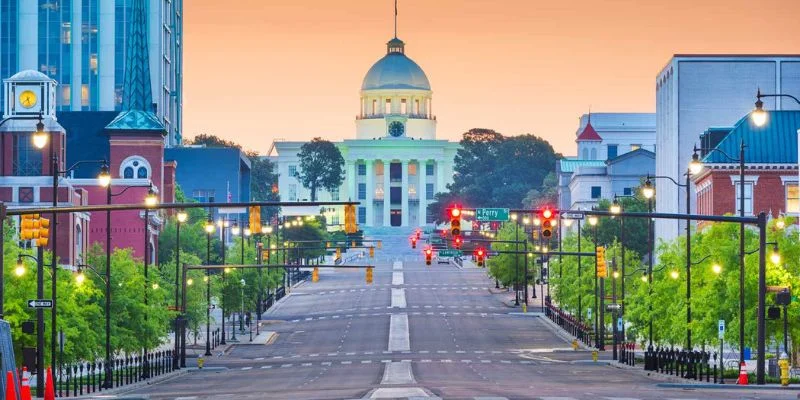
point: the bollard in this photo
(783, 363)
(594, 355)
(575, 344)
(200, 362)
(524, 308)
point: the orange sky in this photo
(256, 70)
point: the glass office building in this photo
(82, 43)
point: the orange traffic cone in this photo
(49, 386)
(742, 374)
(25, 387)
(11, 388)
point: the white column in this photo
(386, 193)
(422, 194)
(77, 67)
(404, 194)
(351, 180)
(440, 176)
(105, 56)
(370, 193)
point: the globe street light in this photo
(104, 178)
(775, 257)
(648, 191)
(151, 200)
(695, 166)
(40, 137)
(615, 208)
(235, 229)
(674, 274)
(716, 268)
(209, 227)
(181, 216)
(592, 220)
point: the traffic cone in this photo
(49, 386)
(742, 374)
(25, 387)
(11, 388)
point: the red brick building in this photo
(771, 167)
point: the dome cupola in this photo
(395, 71)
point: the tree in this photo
(263, 183)
(321, 166)
(635, 229)
(213, 141)
(546, 195)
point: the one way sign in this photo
(41, 303)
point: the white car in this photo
(443, 260)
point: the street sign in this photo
(721, 330)
(491, 214)
(619, 323)
(40, 303)
(449, 253)
(613, 306)
(493, 253)
(588, 313)
(776, 289)
(572, 215)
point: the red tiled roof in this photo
(588, 134)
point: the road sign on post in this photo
(40, 303)
(588, 313)
(449, 253)
(572, 215)
(721, 330)
(491, 214)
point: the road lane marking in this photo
(397, 278)
(246, 368)
(397, 373)
(398, 298)
(398, 333)
(397, 265)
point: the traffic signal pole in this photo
(40, 322)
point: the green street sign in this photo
(449, 253)
(491, 214)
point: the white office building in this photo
(82, 44)
(395, 165)
(695, 92)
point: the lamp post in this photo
(180, 218)
(241, 323)
(150, 201)
(209, 228)
(598, 311)
(648, 191)
(223, 223)
(39, 314)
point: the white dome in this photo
(395, 71)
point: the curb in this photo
(727, 386)
(135, 386)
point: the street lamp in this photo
(235, 228)
(759, 115)
(674, 274)
(775, 257)
(40, 137)
(181, 216)
(648, 191)
(695, 166)
(615, 208)
(716, 268)
(592, 220)
(104, 178)
(209, 226)
(151, 200)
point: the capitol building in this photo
(395, 165)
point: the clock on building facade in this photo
(397, 129)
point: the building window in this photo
(362, 169)
(416, 107)
(335, 219)
(362, 191)
(596, 193)
(429, 169)
(792, 198)
(379, 192)
(627, 192)
(292, 192)
(335, 195)
(388, 107)
(78, 245)
(403, 107)
(374, 106)
(748, 198)
(612, 151)
(135, 167)
(594, 154)
(635, 147)
(412, 169)
(362, 215)
(429, 191)
(203, 195)
(25, 195)
(27, 158)
(293, 171)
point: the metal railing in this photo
(695, 365)
(90, 377)
(569, 323)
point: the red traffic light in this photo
(455, 212)
(428, 251)
(413, 238)
(547, 213)
(480, 252)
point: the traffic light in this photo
(548, 223)
(371, 252)
(369, 275)
(315, 275)
(350, 225)
(428, 256)
(33, 227)
(255, 219)
(480, 253)
(413, 242)
(455, 220)
(457, 242)
(600, 252)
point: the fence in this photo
(569, 323)
(85, 378)
(695, 365)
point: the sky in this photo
(259, 70)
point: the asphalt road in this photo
(417, 331)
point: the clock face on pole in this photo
(396, 129)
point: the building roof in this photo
(29, 75)
(588, 134)
(773, 143)
(136, 120)
(395, 71)
(569, 164)
(634, 153)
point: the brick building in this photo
(771, 169)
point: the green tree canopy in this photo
(321, 166)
